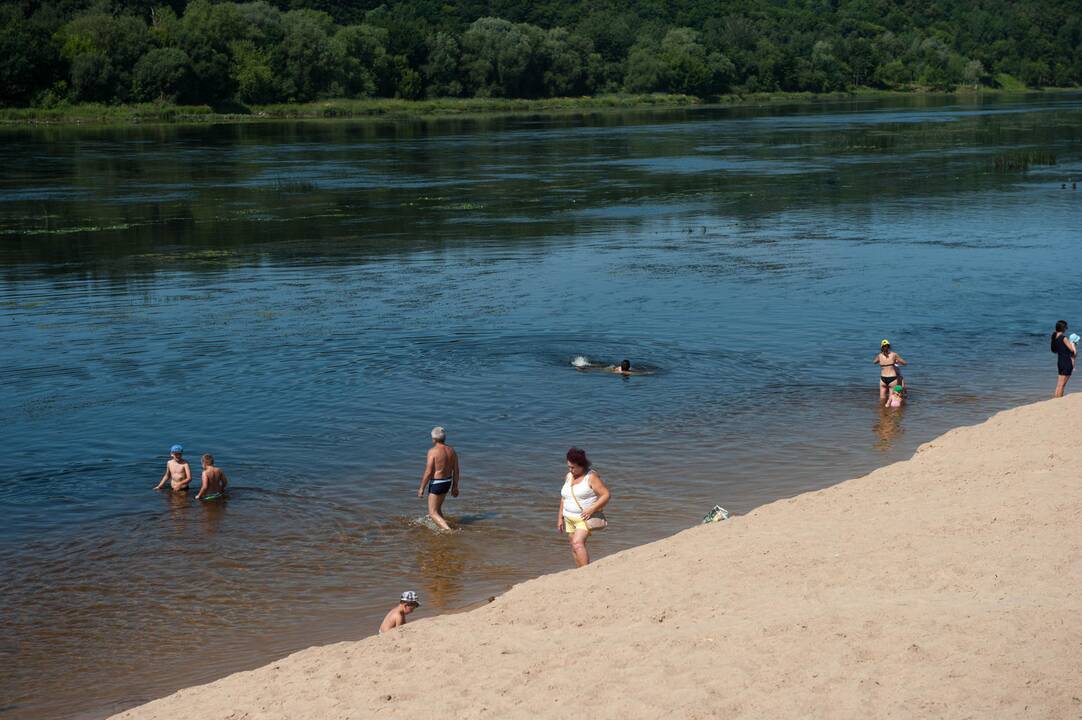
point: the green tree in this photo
(391, 72)
(207, 33)
(405, 33)
(570, 64)
(689, 68)
(859, 55)
(90, 49)
(161, 74)
(362, 52)
(442, 71)
(938, 67)
(502, 59)
(252, 74)
(1035, 73)
(102, 49)
(612, 34)
(306, 61)
(893, 74)
(28, 60)
(93, 77)
(974, 74)
(679, 63)
(261, 23)
(645, 70)
(825, 72)
(410, 85)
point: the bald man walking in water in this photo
(441, 475)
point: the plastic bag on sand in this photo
(716, 515)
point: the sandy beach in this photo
(946, 586)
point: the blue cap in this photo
(176, 448)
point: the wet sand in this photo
(943, 586)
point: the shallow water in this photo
(306, 300)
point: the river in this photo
(306, 300)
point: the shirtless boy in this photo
(441, 475)
(177, 471)
(214, 481)
(397, 616)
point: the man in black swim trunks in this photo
(441, 476)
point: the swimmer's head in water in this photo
(439, 434)
(625, 365)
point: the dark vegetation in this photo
(1020, 160)
(230, 54)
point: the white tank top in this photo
(583, 493)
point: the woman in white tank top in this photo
(582, 496)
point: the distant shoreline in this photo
(390, 109)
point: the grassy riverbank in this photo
(95, 113)
(144, 113)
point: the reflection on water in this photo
(442, 565)
(306, 300)
(888, 427)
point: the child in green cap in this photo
(896, 398)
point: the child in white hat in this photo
(407, 603)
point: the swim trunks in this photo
(439, 486)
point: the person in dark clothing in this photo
(1065, 356)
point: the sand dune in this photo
(946, 586)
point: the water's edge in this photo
(484, 599)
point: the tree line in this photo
(222, 53)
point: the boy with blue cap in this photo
(177, 471)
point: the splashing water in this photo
(581, 361)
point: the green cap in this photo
(898, 388)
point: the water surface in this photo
(306, 300)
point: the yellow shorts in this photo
(573, 524)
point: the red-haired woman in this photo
(582, 497)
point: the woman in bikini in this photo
(888, 362)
